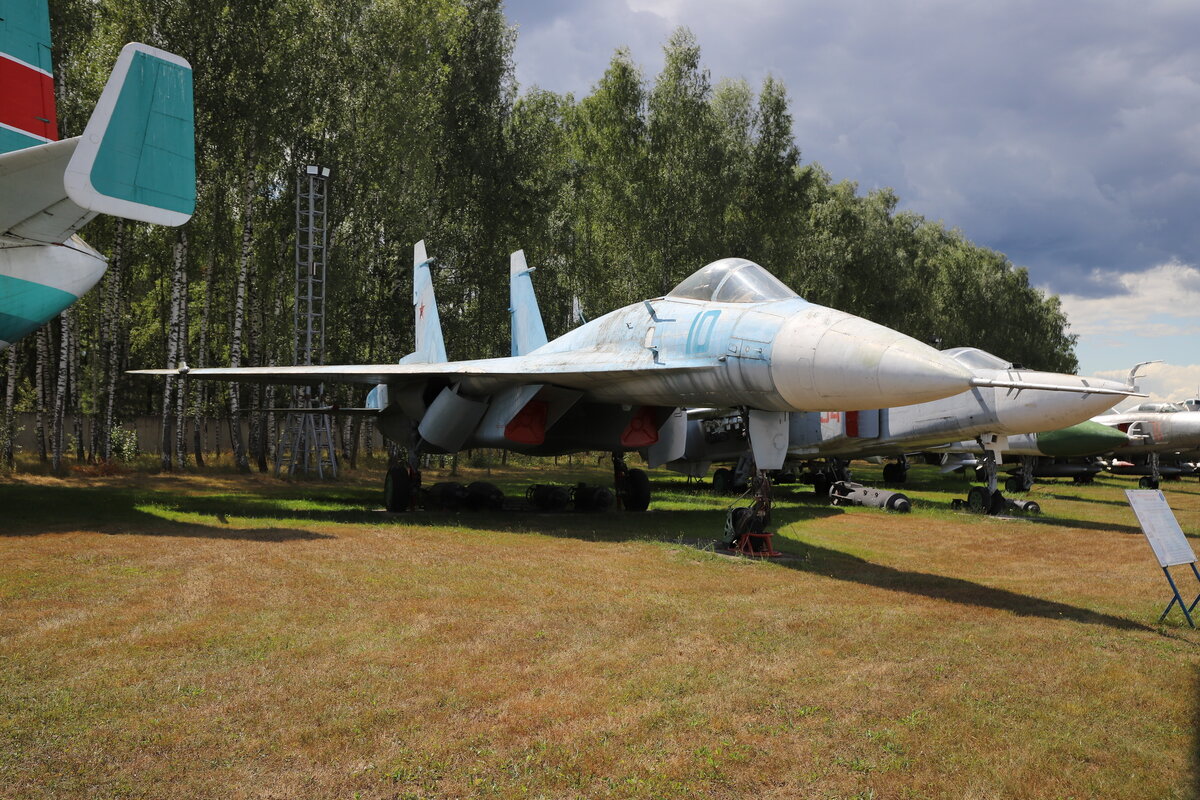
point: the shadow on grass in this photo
(28, 509)
(38, 510)
(845, 567)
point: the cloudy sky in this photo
(1066, 134)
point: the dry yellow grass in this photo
(217, 637)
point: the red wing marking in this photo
(529, 425)
(642, 431)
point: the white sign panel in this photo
(1160, 526)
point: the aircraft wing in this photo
(580, 370)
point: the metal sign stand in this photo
(1168, 542)
(1187, 610)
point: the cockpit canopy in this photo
(732, 280)
(974, 358)
(1158, 408)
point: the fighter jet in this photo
(135, 160)
(1156, 431)
(730, 334)
(992, 411)
(1063, 453)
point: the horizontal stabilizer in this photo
(136, 158)
(1053, 387)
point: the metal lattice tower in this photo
(307, 443)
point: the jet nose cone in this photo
(827, 359)
(1085, 439)
(911, 372)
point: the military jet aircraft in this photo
(135, 160)
(993, 410)
(1062, 453)
(730, 334)
(1156, 431)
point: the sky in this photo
(1066, 135)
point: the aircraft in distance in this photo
(992, 411)
(1061, 453)
(135, 160)
(1155, 431)
(730, 334)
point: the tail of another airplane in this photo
(27, 116)
(136, 158)
(528, 332)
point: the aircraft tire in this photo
(1146, 482)
(637, 490)
(722, 481)
(1014, 485)
(397, 489)
(979, 500)
(821, 484)
(889, 473)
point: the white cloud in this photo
(1162, 301)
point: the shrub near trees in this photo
(615, 196)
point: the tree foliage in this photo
(413, 105)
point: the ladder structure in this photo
(306, 447)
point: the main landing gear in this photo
(1152, 480)
(1022, 479)
(896, 471)
(988, 499)
(402, 491)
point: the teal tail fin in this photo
(528, 332)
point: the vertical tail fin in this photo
(528, 332)
(429, 344)
(27, 114)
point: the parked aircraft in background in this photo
(1062, 453)
(1049, 401)
(730, 334)
(1156, 431)
(135, 160)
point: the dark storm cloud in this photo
(1066, 135)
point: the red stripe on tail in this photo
(28, 99)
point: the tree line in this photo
(413, 105)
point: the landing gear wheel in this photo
(722, 481)
(892, 473)
(397, 489)
(637, 490)
(821, 484)
(979, 500)
(1146, 482)
(1014, 485)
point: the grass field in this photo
(235, 636)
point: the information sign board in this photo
(1162, 530)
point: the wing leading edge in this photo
(574, 370)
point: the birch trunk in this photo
(239, 319)
(41, 384)
(166, 439)
(112, 320)
(200, 393)
(10, 396)
(60, 389)
(181, 338)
